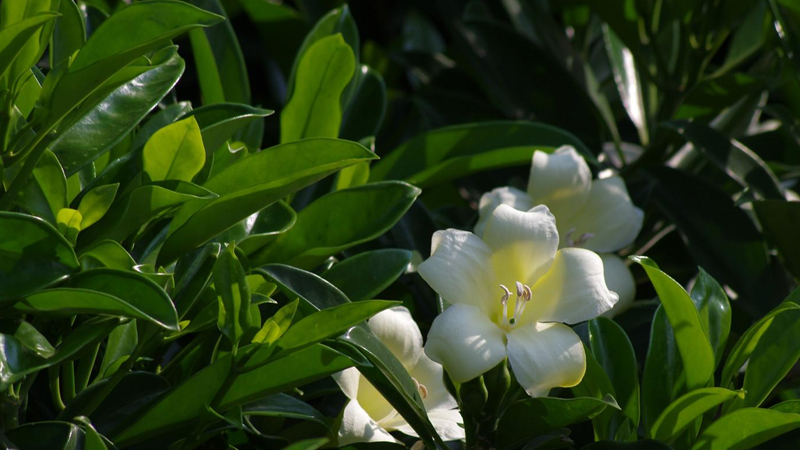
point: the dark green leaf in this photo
(364, 115)
(315, 292)
(363, 276)
(233, 294)
(45, 193)
(779, 221)
(681, 413)
(715, 312)
(282, 405)
(220, 122)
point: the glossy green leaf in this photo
(13, 38)
(364, 116)
(35, 255)
(187, 402)
(207, 70)
(715, 312)
(96, 203)
(316, 292)
(693, 345)
(773, 357)
(68, 223)
(17, 362)
(720, 236)
(69, 32)
(175, 152)
(45, 193)
(96, 130)
(283, 405)
(277, 325)
(268, 224)
(363, 276)
(30, 338)
(106, 254)
(348, 217)
(193, 273)
(681, 413)
(47, 436)
(526, 419)
(789, 406)
(138, 291)
(778, 222)
(745, 429)
(220, 122)
(629, 86)
(314, 109)
(460, 150)
(121, 343)
(746, 345)
(730, 156)
(254, 183)
(614, 353)
(233, 294)
(141, 205)
(128, 34)
(596, 384)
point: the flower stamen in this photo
(504, 302)
(577, 242)
(524, 295)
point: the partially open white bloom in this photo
(511, 293)
(368, 417)
(594, 214)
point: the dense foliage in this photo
(204, 201)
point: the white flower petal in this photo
(572, 291)
(459, 269)
(348, 382)
(377, 407)
(544, 356)
(510, 196)
(357, 426)
(560, 180)
(609, 215)
(397, 330)
(465, 342)
(524, 244)
(445, 422)
(429, 373)
(620, 280)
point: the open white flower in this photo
(487, 322)
(368, 417)
(594, 214)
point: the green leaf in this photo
(318, 326)
(192, 274)
(14, 37)
(315, 292)
(16, 362)
(68, 222)
(276, 326)
(50, 435)
(141, 205)
(746, 344)
(35, 255)
(220, 122)
(778, 221)
(363, 276)
(207, 69)
(187, 402)
(339, 221)
(789, 406)
(129, 33)
(720, 236)
(283, 405)
(30, 338)
(596, 384)
(695, 350)
(629, 86)
(364, 115)
(314, 109)
(526, 419)
(45, 193)
(225, 54)
(746, 428)
(307, 444)
(69, 32)
(730, 156)
(268, 224)
(121, 344)
(337, 21)
(135, 289)
(715, 312)
(95, 204)
(614, 353)
(175, 152)
(106, 254)
(457, 151)
(233, 296)
(774, 355)
(662, 380)
(254, 183)
(681, 413)
(94, 131)
(644, 444)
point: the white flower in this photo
(486, 322)
(597, 215)
(368, 417)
